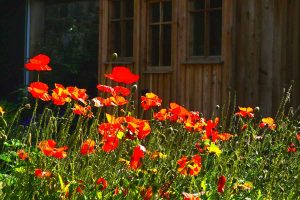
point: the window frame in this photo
(158, 68)
(206, 58)
(122, 20)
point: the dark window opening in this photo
(205, 27)
(121, 28)
(160, 32)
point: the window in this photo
(159, 31)
(205, 28)
(68, 32)
(121, 28)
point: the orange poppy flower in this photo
(191, 167)
(178, 113)
(39, 90)
(122, 74)
(42, 174)
(150, 100)
(101, 181)
(138, 127)
(268, 122)
(39, 63)
(188, 196)
(117, 101)
(224, 136)
(298, 136)
(162, 115)
(88, 147)
(22, 154)
(245, 112)
(1, 111)
(78, 94)
(138, 153)
(60, 95)
(48, 148)
(85, 111)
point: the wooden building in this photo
(193, 52)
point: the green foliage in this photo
(255, 161)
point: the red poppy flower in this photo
(191, 167)
(87, 147)
(291, 148)
(119, 90)
(60, 95)
(210, 129)
(245, 112)
(221, 184)
(110, 141)
(39, 63)
(39, 90)
(147, 193)
(80, 187)
(150, 100)
(42, 174)
(22, 154)
(138, 153)
(48, 148)
(101, 181)
(105, 88)
(122, 74)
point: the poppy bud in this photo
(256, 109)
(114, 56)
(217, 107)
(27, 106)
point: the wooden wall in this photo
(267, 55)
(260, 56)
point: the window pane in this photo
(115, 40)
(215, 32)
(128, 37)
(167, 11)
(154, 45)
(128, 8)
(166, 45)
(198, 4)
(155, 12)
(216, 3)
(198, 34)
(116, 9)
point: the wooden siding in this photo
(267, 52)
(260, 56)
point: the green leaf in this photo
(99, 195)
(5, 157)
(203, 184)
